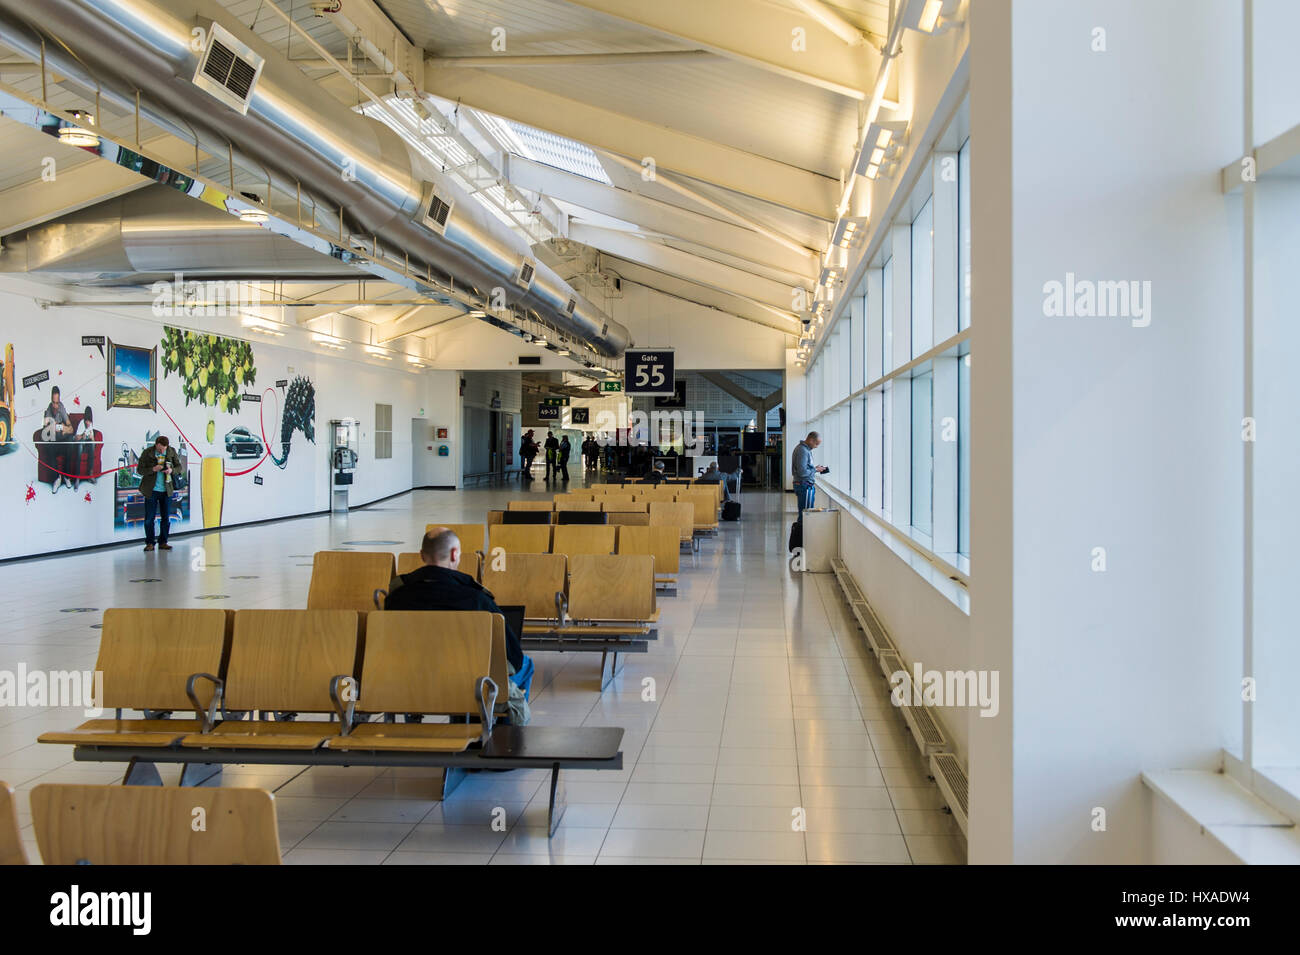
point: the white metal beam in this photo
(656, 216)
(637, 274)
(781, 41)
(724, 278)
(734, 169)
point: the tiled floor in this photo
(765, 706)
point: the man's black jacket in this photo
(439, 588)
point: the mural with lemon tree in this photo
(213, 370)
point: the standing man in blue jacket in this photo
(804, 472)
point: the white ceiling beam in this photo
(505, 61)
(79, 182)
(761, 35)
(654, 215)
(418, 320)
(724, 278)
(725, 166)
(637, 274)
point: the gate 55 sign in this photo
(648, 371)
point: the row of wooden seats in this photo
(705, 500)
(606, 601)
(336, 662)
(143, 825)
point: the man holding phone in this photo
(157, 468)
(804, 472)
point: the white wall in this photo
(38, 520)
(442, 411)
(704, 338)
(1124, 438)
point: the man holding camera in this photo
(156, 468)
(804, 472)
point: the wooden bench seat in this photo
(530, 581)
(11, 843)
(519, 539)
(347, 580)
(284, 661)
(154, 825)
(473, 537)
(412, 668)
(152, 659)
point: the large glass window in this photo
(963, 456)
(923, 279)
(887, 327)
(922, 452)
(963, 237)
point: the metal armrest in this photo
(486, 695)
(344, 705)
(207, 716)
(561, 607)
(375, 597)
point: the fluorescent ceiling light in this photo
(379, 352)
(930, 15)
(76, 136)
(329, 341)
(885, 142)
(253, 323)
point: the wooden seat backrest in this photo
(612, 587)
(420, 661)
(285, 659)
(572, 539)
(530, 581)
(705, 504)
(561, 506)
(519, 539)
(564, 502)
(148, 654)
(681, 513)
(500, 669)
(472, 536)
(663, 542)
(623, 503)
(11, 843)
(154, 825)
(347, 580)
(630, 518)
(469, 563)
(530, 506)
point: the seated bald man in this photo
(438, 585)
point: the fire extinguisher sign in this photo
(648, 371)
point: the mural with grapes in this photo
(213, 370)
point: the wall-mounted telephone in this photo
(344, 458)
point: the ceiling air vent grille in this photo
(524, 277)
(435, 209)
(228, 70)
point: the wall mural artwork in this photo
(7, 408)
(132, 377)
(213, 370)
(79, 406)
(128, 502)
(299, 415)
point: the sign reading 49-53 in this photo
(648, 371)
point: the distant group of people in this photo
(557, 451)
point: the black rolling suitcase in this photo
(731, 510)
(796, 535)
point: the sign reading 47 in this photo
(648, 371)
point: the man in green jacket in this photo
(157, 467)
